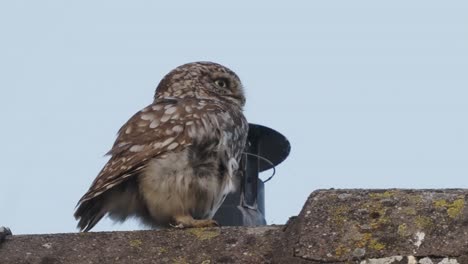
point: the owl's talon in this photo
(189, 222)
(178, 226)
(216, 224)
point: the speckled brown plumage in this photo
(174, 162)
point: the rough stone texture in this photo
(200, 245)
(335, 226)
(339, 226)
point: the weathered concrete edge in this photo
(451, 204)
(198, 245)
(269, 244)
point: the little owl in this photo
(174, 162)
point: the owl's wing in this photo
(167, 125)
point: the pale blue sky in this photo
(371, 94)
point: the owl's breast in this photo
(182, 183)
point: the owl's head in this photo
(202, 80)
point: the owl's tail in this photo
(119, 203)
(89, 213)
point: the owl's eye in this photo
(221, 82)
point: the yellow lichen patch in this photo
(365, 238)
(415, 199)
(339, 214)
(423, 222)
(341, 250)
(380, 221)
(204, 233)
(367, 241)
(454, 208)
(161, 250)
(408, 211)
(403, 230)
(136, 243)
(206, 261)
(377, 215)
(440, 203)
(386, 194)
(376, 245)
(179, 260)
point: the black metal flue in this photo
(246, 207)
